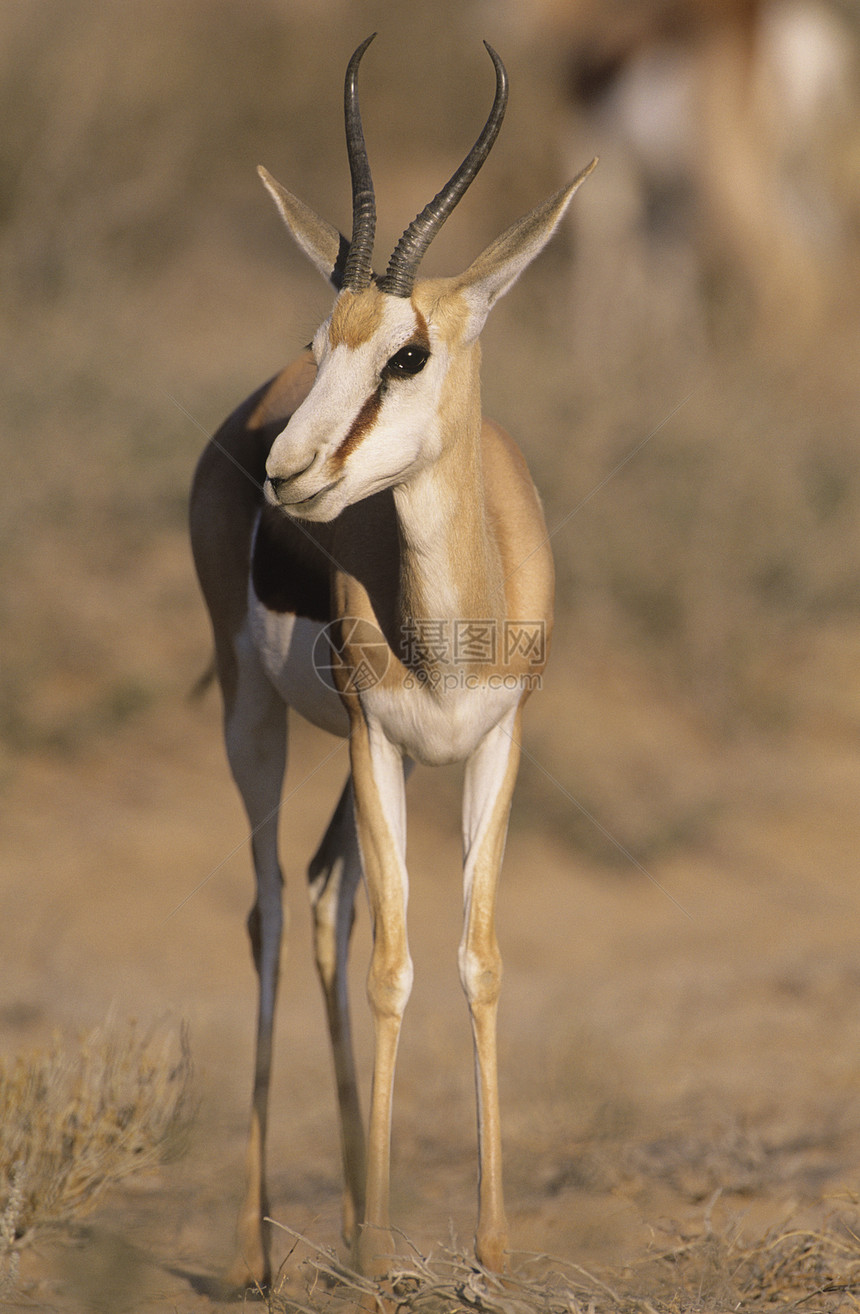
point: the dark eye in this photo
(406, 362)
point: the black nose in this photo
(279, 482)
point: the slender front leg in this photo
(488, 787)
(378, 782)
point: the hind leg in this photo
(255, 731)
(333, 876)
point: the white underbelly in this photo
(294, 654)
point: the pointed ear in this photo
(322, 244)
(498, 268)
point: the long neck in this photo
(450, 567)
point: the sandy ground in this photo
(674, 1042)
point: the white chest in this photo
(444, 725)
(434, 726)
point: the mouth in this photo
(301, 504)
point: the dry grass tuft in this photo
(451, 1280)
(74, 1123)
(788, 1267)
(715, 1270)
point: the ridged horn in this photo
(399, 277)
(358, 268)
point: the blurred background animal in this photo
(724, 124)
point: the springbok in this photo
(373, 554)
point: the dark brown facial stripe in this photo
(359, 429)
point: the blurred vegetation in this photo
(73, 1122)
(702, 479)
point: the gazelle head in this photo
(397, 359)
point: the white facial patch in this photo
(363, 427)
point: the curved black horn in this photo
(358, 268)
(399, 277)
